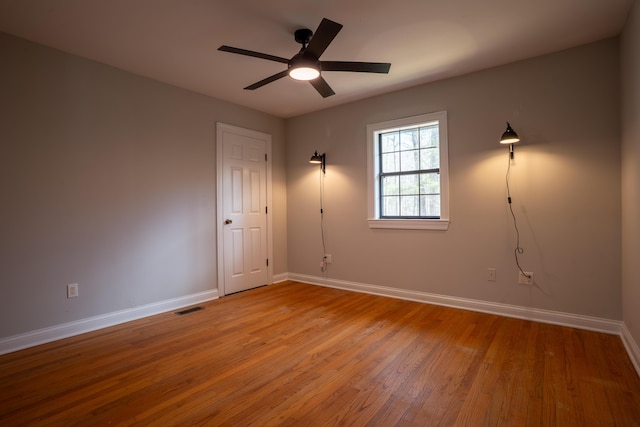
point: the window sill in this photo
(410, 224)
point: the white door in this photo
(243, 251)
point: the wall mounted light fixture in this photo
(319, 159)
(509, 137)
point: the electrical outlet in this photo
(525, 280)
(72, 290)
(491, 274)
(327, 258)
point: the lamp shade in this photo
(316, 158)
(509, 136)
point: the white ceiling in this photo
(176, 41)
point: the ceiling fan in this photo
(306, 64)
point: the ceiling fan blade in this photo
(254, 54)
(322, 87)
(326, 32)
(270, 79)
(358, 67)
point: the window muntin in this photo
(407, 175)
(410, 172)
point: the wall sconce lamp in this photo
(318, 159)
(509, 137)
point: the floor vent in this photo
(188, 310)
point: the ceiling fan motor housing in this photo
(303, 36)
(302, 59)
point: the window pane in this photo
(409, 160)
(409, 139)
(430, 183)
(389, 142)
(429, 136)
(430, 158)
(409, 206)
(390, 162)
(409, 185)
(390, 185)
(390, 206)
(430, 205)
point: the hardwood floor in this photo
(299, 355)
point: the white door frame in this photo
(220, 129)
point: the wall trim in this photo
(527, 313)
(65, 330)
(281, 277)
(632, 347)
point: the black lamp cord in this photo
(324, 248)
(518, 250)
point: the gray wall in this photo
(565, 183)
(630, 52)
(108, 180)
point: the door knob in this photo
(228, 221)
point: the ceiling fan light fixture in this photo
(304, 73)
(302, 67)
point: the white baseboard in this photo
(65, 330)
(277, 278)
(632, 347)
(535, 314)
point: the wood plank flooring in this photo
(292, 354)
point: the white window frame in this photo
(373, 167)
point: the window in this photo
(408, 173)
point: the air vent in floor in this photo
(188, 310)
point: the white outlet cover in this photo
(72, 290)
(524, 280)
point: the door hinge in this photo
(266, 209)
(267, 262)
(265, 157)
